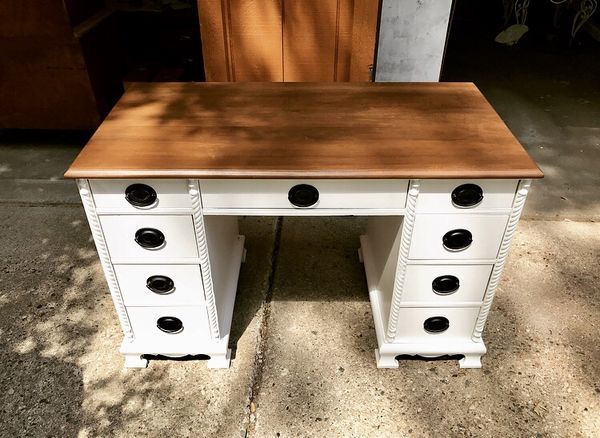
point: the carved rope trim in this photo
(209, 294)
(511, 227)
(407, 229)
(113, 285)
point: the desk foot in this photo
(220, 360)
(386, 360)
(360, 255)
(470, 361)
(135, 361)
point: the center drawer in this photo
(151, 237)
(384, 194)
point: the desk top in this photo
(303, 130)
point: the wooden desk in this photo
(440, 176)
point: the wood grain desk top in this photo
(303, 130)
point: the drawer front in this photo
(194, 327)
(445, 284)
(139, 196)
(412, 324)
(465, 196)
(430, 230)
(178, 231)
(320, 194)
(160, 285)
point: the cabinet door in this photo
(288, 40)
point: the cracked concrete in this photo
(303, 332)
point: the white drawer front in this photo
(486, 230)
(110, 194)
(333, 194)
(144, 321)
(178, 231)
(411, 321)
(435, 196)
(149, 285)
(421, 280)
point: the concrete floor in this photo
(303, 331)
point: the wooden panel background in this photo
(288, 40)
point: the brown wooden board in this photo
(288, 40)
(303, 130)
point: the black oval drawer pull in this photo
(445, 284)
(303, 195)
(467, 195)
(140, 195)
(436, 324)
(457, 240)
(160, 284)
(149, 238)
(169, 324)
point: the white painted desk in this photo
(167, 174)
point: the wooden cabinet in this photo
(288, 40)
(60, 69)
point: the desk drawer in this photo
(485, 233)
(140, 196)
(126, 234)
(465, 196)
(160, 285)
(445, 284)
(306, 194)
(435, 324)
(180, 327)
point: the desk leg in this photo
(470, 361)
(135, 361)
(220, 360)
(386, 360)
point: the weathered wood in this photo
(364, 39)
(241, 40)
(288, 40)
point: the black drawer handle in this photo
(457, 240)
(467, 195)
(169, 324)
(303, 195)
(140, 195)
(160, 284)
(436, 324)
(149, 238)
(445, 284)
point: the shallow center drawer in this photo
(151, 237)
(310, 194)
(160, 285)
